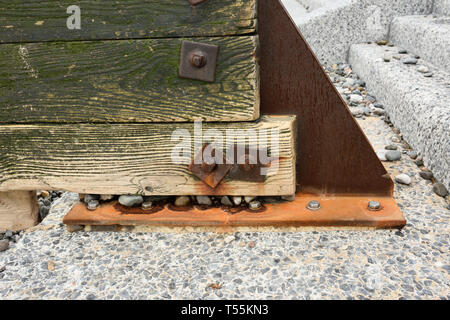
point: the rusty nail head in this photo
(198, 59)
(374, 205)
(313, 205)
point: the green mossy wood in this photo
(125, 81)
(130, 158)
(34, 20)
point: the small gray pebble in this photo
(4, 245)
(249, 199)
(204, 200)
(391, 147)
(403, 179)
(427, 175)
(237, 200)
(440, 189)
(409, 61)
(412, 154)
(226, 201)
(393, 155)
(131, 201)
(182, 201)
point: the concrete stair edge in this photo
(426, 36)
(418, 106)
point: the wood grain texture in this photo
(32, 21)
(125, 81)
(18, 210)
(128, 159)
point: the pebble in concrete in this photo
(440, 189)
(4, 245)
(391, 147)
(393, 155)
(423, 69)
(403, 179)
(409, 61)
(427, 175)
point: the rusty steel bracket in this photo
(210, 173)
(198, 61)
(334, 155)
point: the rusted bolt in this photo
(374, 205)
(92, 204)
(254, 205)
(198, 59)
(313, 205)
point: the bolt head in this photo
(198, 59)
(374, 205)
(254, 205)
(147, 205)
(313, 205)
(92, 204)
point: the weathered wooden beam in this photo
(18, 210)
(132, 158)
(31, 21)
(125, 81)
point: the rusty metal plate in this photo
(198, 61)
(210, 174)
(342, 211)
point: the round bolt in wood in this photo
(374, 205)
(313, 205)
(93, 204)
(198, 59)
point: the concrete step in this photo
(331, 26)
(442, 7)
(294, 7)
(426, 36)
(419, 106)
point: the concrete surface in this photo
(426, 36)
(332, 26)
(417, 105)
(50, 263)
(441, 7)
